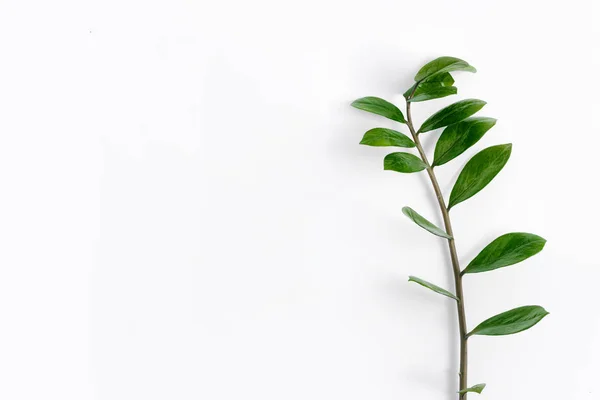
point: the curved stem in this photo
(462, 322)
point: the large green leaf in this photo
(452, 114)
(506, 250)
(457, 138)
(441, 65)
(433, 287)
(474, 389)
(478, 172)
(379, 106)
(509, 322)
(386, 137)
(403, 162)
(423, 223)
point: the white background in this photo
(185, 211)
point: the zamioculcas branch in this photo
(461, 131)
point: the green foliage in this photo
(462, 131)
(379, 106)
(452, 114)
(474, 389)
(457, 138)
(510, 322)
(431, 286)
(423, 223)
(478, 172)
(441, 65)
(506, 250)
(403, 162)
(386, 137)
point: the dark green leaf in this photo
(379, 106)
(452, 114)
(506, 250)
(509, 322)
(433, 287)
(423, 223)
(403, 162)
(386, 137)
(474, 389)
(478, 172)
(430, 92)
(441, 65)
(433, 88)
(457, 138)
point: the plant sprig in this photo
(461, 131)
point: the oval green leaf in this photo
(478, 172)
(386, 137)
(474, 389)
(457, 138)
(430, 92)
(440, 80)
(452, 114)
(403, 162)
(379, 106)
(423, 223)
(433, 287)
(441, 65)
(506, 250)
(509, 322)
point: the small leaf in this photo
(433, 287)
(430, 92)
(379, 106)
(403, 162)
(478, 172)
(423, 223)
(386, 137)
(506, 250)
(441, 65)
(457, 138)
(509, 322)
(452, 114)
(437, 81)
(474, 389)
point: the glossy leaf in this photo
(423, 223)
(452, 114)
(433, 287)
(433, 92)
(506, 250)
(441, 65)
(403, 162)
(474, 389)
(386, 137)
(509, 322)
(379, 106)
(436, 87)
(478, 172)
(457, 138)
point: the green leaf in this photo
(433, 287)
(423, 223)
(430, 92)
(452, 114)
(478, 172)
(509, 322)
(386, 137)
(436, 87)
(441, 65)
(457, 138)
(506, 250)
(474, 389)
(403, 162)
(379, 106)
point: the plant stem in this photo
(462, 323)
